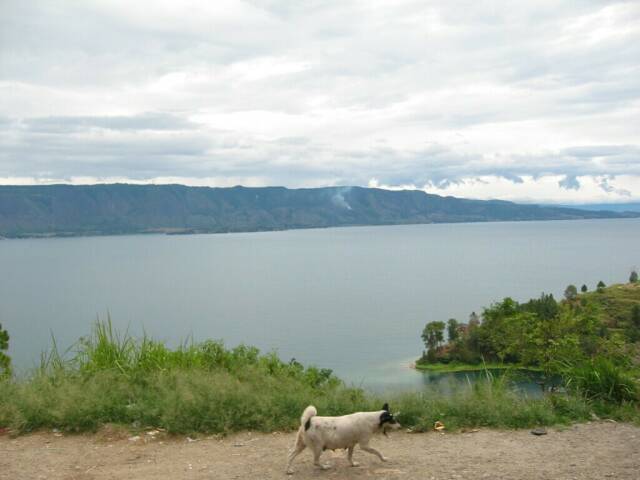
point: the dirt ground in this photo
(590, 451)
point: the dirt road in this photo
(590, 451)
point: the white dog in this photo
(322, 433)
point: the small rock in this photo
(539, 431)
(134, 439)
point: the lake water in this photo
(351, 299)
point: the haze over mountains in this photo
(612, 207)
(66, 210)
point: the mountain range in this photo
(107, 209)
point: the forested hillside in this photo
(58, 210)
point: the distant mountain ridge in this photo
(611, 207)
(67, 210)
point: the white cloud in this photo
(545, 189)
(528, 99)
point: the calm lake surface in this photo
(351, 299)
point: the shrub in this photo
(5, 361)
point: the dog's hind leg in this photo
(350, 457)
(369, 449)
(317, 451)
(293, 453)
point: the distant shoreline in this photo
(468, 367)
(173, 232)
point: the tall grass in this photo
(110, 377)
(601, 379)
(107, 350)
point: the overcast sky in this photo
(527, 101)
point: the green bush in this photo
(5, 361)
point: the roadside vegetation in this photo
(113, 378)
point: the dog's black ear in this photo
(385, 407)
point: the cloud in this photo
(570, 183)
(142, 121)
(543, 189)
(608, 188)
(410, 93)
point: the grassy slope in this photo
(617, 302)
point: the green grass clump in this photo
(489, 403)
(470, 367)
(601, 379)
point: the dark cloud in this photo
(569, 182)
(606, 187)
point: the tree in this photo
(496, 336)
(583, 288)
(452, 330)
(633, 278)
(433, 335)
(601, 286)
(5, 361)
(474, 320)
(545, 307)
(571, 292)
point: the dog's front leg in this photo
(369, 449)
(350, 457)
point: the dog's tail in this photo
(309, 412)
